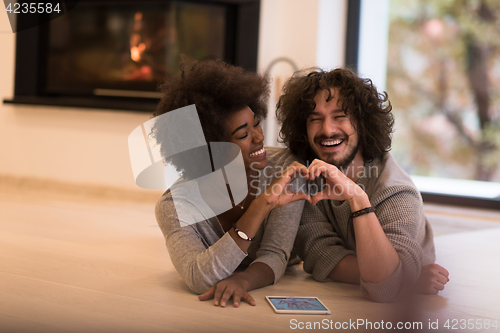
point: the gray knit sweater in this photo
(204, 254)
(326, 234)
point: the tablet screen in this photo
(299, 303)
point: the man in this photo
(371, 230)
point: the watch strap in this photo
(241, 234)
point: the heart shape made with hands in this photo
(337, 187)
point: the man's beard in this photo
(343, 163)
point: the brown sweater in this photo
(326, 234)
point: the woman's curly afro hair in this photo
(218, 90)
(370, 111)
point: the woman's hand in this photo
(278, 193)
(338, 186)
(234, 286)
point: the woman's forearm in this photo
(257, 275)
(250, 222)
(275, 196)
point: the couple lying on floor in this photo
(334, 198)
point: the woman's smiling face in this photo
(244, 129)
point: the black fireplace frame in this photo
(242, 36)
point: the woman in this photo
(260, 229)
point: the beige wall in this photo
(65, 144)
(90, 146)
(287, 29)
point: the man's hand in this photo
(432, 279)
(338, 186)
(234, 286)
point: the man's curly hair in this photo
(218, 90)
(370, 111)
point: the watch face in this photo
(242, 235)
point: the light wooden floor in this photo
(450, 220)
(81, 264)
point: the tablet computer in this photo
(297, 305)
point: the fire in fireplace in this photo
(114, 54)
(129, 47)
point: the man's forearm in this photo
(377, 258)
(347, 271)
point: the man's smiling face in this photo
(330, 131)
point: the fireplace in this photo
(114, 54)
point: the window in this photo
(443, 79)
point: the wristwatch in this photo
(241, 234)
